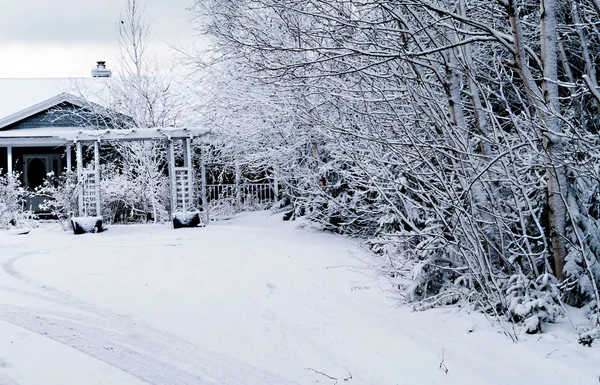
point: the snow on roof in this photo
(91, 135)
(19, 94)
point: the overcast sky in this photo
(64, 38)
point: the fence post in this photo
(203, 184)
(238, 177)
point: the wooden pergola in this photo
(89, 203)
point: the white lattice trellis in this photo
(90, 192)
(184, 189)
(89, 184)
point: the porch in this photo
(33, 153)
(33, 160)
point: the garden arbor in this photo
(181, 177)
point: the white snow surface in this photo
(254, 300)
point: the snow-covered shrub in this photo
(251, 202)
(582, 263)
(222, 209)
(591, 311)
(532, 302)
(134, 194)
(144, 170)
(588, 337)
(115, 191)
(12, 200)
(125, 196)
(61, 192)
(430, 278)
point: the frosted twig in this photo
(349, 375)
(443, 364)
(323, 374)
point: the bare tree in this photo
(142, 95)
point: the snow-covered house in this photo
(44, 125)
(33, 113)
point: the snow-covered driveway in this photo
(249, 301)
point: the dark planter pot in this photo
(189, 220)
(85, 225)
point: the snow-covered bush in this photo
(532, 302)
(147, 184)
(131, 194)
(126, 196)
(222, 209)
(12, 200)
(61, 192)
(115, 191)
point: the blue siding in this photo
(64, 115)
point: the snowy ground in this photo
(250, 301)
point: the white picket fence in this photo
(261, 193)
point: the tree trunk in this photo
(555, 171)
(547, 107)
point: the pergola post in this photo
(68, 155)
(80, 181)
(203, 185)
(171, 162)
(9, 161)
(97, 178)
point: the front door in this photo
(35, 171)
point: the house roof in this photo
(17, 95)
(42, 106)
(27, 97)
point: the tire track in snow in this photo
(101, 346)
(146, 353)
